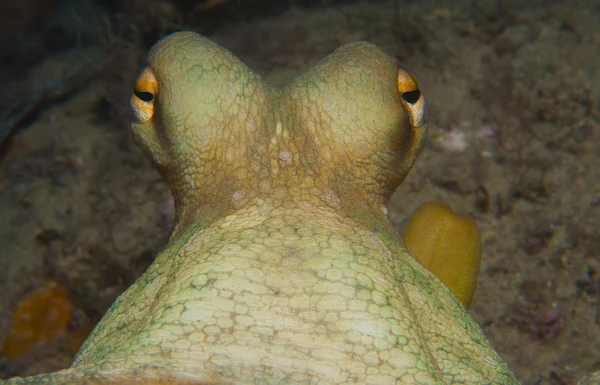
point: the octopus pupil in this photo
(411, 96)
(145, 96)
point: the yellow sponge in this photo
(448, 245)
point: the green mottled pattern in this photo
(283, 267)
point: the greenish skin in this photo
(282, 267)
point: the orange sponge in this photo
(40, 318)
(448, 245)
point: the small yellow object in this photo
(448, 245)
(41, 318)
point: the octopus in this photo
(283, 266)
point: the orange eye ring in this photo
(144, 96)
(412, 98)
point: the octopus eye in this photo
(412, 98)
(144, 96)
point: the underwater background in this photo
(513, 90)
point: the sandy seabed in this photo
(513, 96)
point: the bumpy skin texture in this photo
(282, 267)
